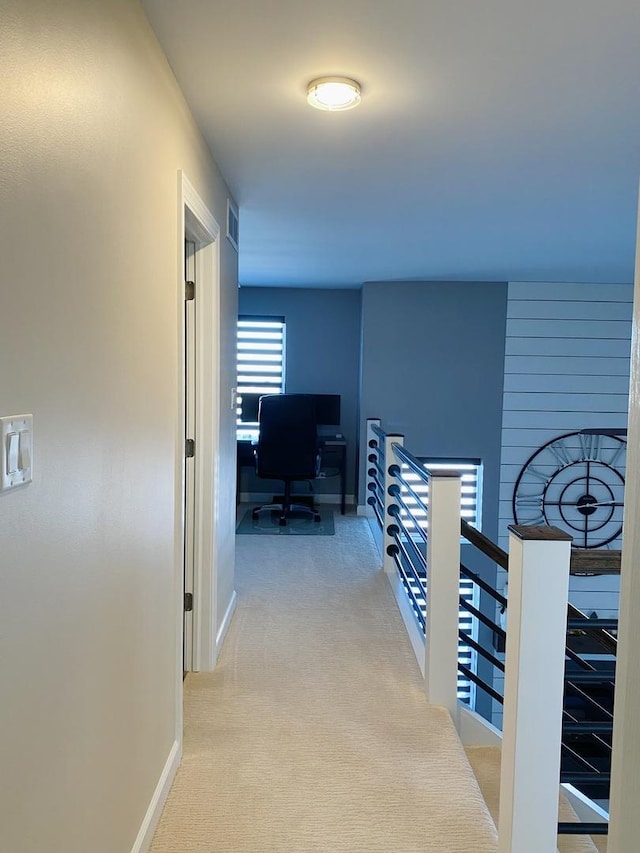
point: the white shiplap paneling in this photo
(563, 383)
(601, 329)
(569, 347)
(566, 291)
(551, 401)
(553, 309)
(566, 369)
(579, 365)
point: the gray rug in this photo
(301, 524)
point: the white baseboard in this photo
(226, 621)
(377, 535)
(587, 810)
(474, 730)
(151, 818)
(416, 637)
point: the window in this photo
(470, 494)
(470, 487)
(261, 351)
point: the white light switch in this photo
(16, 465)
(11, 455)
(24, 449)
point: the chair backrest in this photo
(287, 442)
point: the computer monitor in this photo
(249, 407)
(327, 409)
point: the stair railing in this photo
(587, 718)
(539, 559)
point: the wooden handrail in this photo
(484, 544)
(595, 562)
(583, 562)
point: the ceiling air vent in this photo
(232, 224)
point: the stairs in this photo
(587, 727)
(485, 762)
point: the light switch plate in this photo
(10, 427)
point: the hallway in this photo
(313, 733)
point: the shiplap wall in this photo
(566, 369)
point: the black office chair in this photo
(287, 447)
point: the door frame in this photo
(196, 221)
(189, 496)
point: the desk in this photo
(333, 461)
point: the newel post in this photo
(390, 462)
(443, 590)
(539, 559)
(369, 465)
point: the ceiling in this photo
(497, 140)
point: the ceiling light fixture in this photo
(333, 93)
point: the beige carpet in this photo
(485, 761)
(313, 733)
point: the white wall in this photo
(94, 131)
(625, 764)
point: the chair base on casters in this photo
(286, 508)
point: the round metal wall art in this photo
(575, 482)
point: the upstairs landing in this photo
(314, 734)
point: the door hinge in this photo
(189, 448)
(188, 602)
(189, 290)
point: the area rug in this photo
(303, 524)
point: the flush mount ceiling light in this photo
(333, 93)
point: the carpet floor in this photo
(313, 733)
(485, 761)
(298, 524)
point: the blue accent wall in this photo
(322, 351)
(432, 370)
(425, 357)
